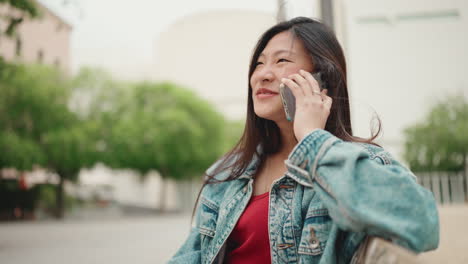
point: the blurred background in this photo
(110, 112)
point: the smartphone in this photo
(288, 99)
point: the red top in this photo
(249, 242)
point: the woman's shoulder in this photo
(217, 178)
(220, 170)
(376, 152)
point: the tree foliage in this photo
(37, 126)
(33, 102)
(149, 126)
(440, 142)
(95, 92)
(99, 102)
(167, 128)
(67, 124)
(21, 153)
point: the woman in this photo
(306, 191)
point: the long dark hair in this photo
(328, 58)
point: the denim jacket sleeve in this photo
(366, 190)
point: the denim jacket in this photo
(333, 194)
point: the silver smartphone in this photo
(288, 99)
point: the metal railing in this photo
(447, 187)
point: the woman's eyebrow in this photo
(289, 52)
(276, 53)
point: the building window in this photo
(18, 46)
(40, 56)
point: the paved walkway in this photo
(137, 240)
(146, 240)
(453, 247)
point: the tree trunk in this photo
(59, 199)
(162, 196)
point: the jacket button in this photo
(245, 189)
(314, 242)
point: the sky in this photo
(121, 35)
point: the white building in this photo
(210, 52)
(403, 56)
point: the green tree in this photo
(21, 153)
(37, 127)
(169, 129)
(68, 150)
(33, 101)
(95, 92)
(149, 126)
(101, 101)
(440, 142)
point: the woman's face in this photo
(282, 56)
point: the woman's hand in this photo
(312, 105)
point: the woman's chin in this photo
(271, 115)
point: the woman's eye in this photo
(283, 60)
(258, 63)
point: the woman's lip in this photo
(263, 95)
(265, 91)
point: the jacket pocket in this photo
(315, 232)
(208, 218)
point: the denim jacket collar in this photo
(299, 175)
(253, 165)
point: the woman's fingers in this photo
(327, 100)
(296, 90)
(311, 80)
(313, 107)
(302, 82)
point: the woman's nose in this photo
(266, 74)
